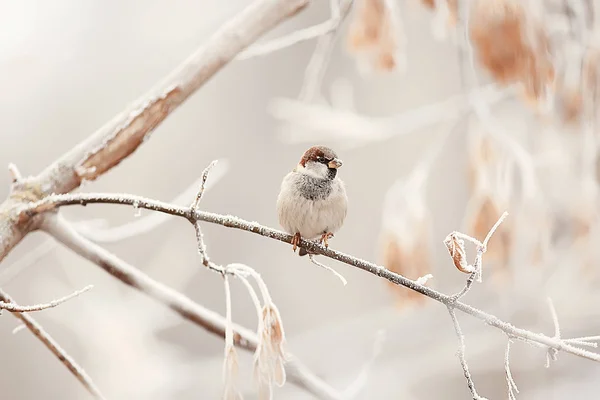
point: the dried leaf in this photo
(374, 36)
(456, 248)
(498, 31)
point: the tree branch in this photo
(122, 135)
(461, 356)
(52, 202)
(12, 307)
(63, 232)
(55, 348)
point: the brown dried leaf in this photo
(498, 33)
(456, 248)
(373, 34)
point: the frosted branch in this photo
(63, 232)
(354, 389)
(461, 356)
(55, 201)
(459, 256)
(553, 353)
(320, 121)
(333, 271)
(302, 35)
(315, 70)
(37, 330)
(512, 386)
(139, 226)
(122, 135)
(12, 307)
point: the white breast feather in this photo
(310, 217)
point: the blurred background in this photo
(412, 177)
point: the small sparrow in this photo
(312, 202)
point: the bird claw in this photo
(325, 237)
(295, 241)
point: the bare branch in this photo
(360, 381)
(12, 307)
(203, 184)
(316, 31)
(315, 70)
(122, 135)
(19, 328)
(512, 386)
(553, 353)
(333, 271)
(103, 234)
(55, 348)
(320, 121)
(457, 249)
(52, 202)
(199, 235)
(63, 232)
(461, 356)
(493, 229)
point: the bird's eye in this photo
(321, 160)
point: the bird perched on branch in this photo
(312, 203)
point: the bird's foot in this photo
(296, 241)
(325, 237)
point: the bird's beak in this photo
(335, 163)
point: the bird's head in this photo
(320, 162)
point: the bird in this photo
(312, 202)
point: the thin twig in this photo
(322, 121)
(200, 193)
(494, 228)
(358, 384)
(512, 386)
(122, 135)
(53, 202)
(553, 353)
(333, 271)
(39, 307)
(63, 232)
(103, 234)
(461, 355)
(55, 348)
(299, 36)
(199, 235)
(481, 249)
(317, 66)
(19, 328)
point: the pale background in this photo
(67, 66)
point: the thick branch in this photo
(52, 202)
(54, 347)
(63, 232)
(126, 131)
(122, 135)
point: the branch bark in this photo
(63, 232)
(52, 202)
(122, 135)
(12, 307)
(55, 348)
